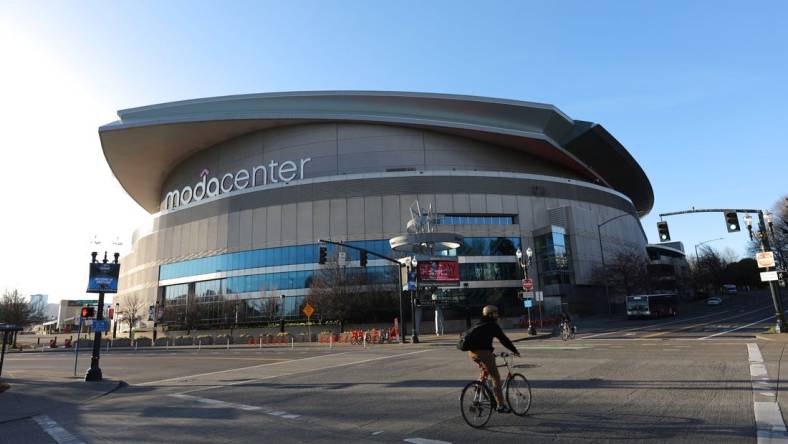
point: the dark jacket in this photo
(484, 332)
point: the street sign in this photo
(765, 259)
(767, 276)
(308, 310)
(100, 325)
(341, 258)
(527, 294)
(528, 302)
(539, 296)
(528, 284)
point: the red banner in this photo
(439, 272)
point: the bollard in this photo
(199, 344)
(135, 345)
(364, 339)
(260, 342)
(292, 343)
(167, 344)
(331, 341)
(108, 342)
(228, 343)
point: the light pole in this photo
(701, 244)
(282, 321)
(525, 262)
(602, 253)
(415, 333)
(763, 236)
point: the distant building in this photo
(39, 302)
(669, 268)
(69, 312)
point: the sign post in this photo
(308, 311)
(103, 279)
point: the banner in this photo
(439, 272)
(103, 278)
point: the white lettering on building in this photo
(274, 172)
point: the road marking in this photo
(425, 441)
(737, 328)
(649, 326)
(233, 405)
(702, 323)
(770, 427)
(53, 429)
(235, 369)
(379, 358)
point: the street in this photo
(683, 379)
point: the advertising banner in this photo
(103, 278)
(439, 272)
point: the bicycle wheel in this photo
(476, 404)
(518, 394)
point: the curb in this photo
(537, 336)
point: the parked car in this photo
(714, 300)
(729, 289)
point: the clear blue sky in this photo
(697, 91)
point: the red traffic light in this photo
(88, 312)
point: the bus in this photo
(652, 305)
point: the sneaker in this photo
(503, 409)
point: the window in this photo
(475, 219)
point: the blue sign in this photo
(103, 278)
(100, 325)
(412, 280)
(528, 303)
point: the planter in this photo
(188, 340)
(144, 342)
(204, 340)
(161, 342)
(121, 342)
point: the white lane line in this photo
(425, 441)
(650, 326)
(53, 429)
(233, 405)
(737, 328)
(769, 424)
(237, 369)
(380, 358)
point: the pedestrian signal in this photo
(363, 258)
(88, 312)
(323, 253)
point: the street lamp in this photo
(525, 262)
(282, 321)
(702, 243)
(415, 333)
(602, 254)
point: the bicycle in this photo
(477, 401)
(567, 331)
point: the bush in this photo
(184, 340)
(144, 342)
(121, 342)
(162, 341)
(204, 340)
(222, 339)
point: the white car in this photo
(714, 300)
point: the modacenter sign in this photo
(273, 172)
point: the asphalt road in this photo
(686, 379)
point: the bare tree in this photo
(349, 294)
(132, 308)
(15, 308)
(779, 237)
(625, 272)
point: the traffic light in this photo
(88, 312)
(664, 234)
(323, 252)
(732, 221)
(362, 258)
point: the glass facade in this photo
(469, 219)
(555, 262)
(249, 299)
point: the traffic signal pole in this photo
(763, 238)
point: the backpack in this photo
(467, 339)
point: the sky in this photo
(696, 91)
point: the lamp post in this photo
(282, 321)
(701, 244)
(525, 262)
(415, 333)
(94, 372)
(763, 236)
(602, 253)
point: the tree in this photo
(15, 308)
(343, 294)
(779, 238)
(625, 272)
(132, 308)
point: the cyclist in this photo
(482, 350)
(566, 319)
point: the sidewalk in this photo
(516, 335)
(26, 398)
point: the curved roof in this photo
(146, 143)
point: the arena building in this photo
(241, 188)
